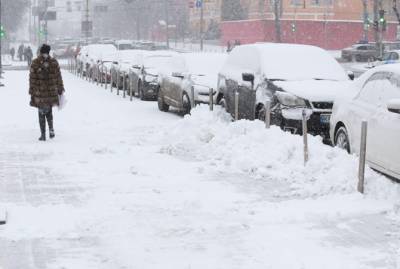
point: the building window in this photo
(322, 2)
(297, 3)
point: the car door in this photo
(384, 126)
(364, 106)
(168, 89)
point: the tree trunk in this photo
(278, 28)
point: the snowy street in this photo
(124, 185)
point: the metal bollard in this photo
(363, 153)
(268, 114)
(111, 81)
(130, 86)
(101, 76)
(305, 137)
(236, 106)
(118, 77)
(105, 78)
(211, 100)
(97, 75)
(192, 96)
(124, 84)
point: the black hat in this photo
(45, 49)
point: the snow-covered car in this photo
(124, 44)
(105, 65)
(285, 75)
(90, 55)
(121, 66)
(190, 70)
(145, 73)
(378, 102)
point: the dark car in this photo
(187, 72)
(283, 75)
(145, 73)
(360, 52)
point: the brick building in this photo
(331, 24)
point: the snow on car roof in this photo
(298, 62)
(204, 63)
(128, 55)
(360, 81)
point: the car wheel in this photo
(222, 102)
(140, 91)
(260, 112)
(186, 104)
(162, 106)
(342, 139)
(358, 58)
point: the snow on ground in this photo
(126, 186)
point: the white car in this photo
(378, 102)
(124, 44)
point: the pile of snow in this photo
(249, 149)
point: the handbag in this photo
(62, 101)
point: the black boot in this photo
(42, 124)
(49, 117)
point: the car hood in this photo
(152, 71)
(207, 81)
(319, 90)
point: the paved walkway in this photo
(102, 196)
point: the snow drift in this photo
(249, 149)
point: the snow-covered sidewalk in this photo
(126, 186)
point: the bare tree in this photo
(278, 26)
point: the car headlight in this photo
(290, 100)
(150, 78)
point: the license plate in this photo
(325, 118)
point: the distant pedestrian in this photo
(12, 53)
(21, 52)
(45, 87)
(228, 47)
(28, 55)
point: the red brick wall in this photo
(332, 35)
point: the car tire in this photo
(222, 102)
(162, 106)
(186, 105)
(342, 139)
(260, 112)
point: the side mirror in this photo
(136, 66)
(248, 77)
(351, 75)
(394, 106)
(178, 75)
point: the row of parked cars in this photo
(293, 78)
